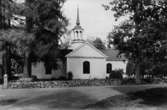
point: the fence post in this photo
(5, 81)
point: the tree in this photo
(99, 44)
(15, 39)
(141, 36)
(46, 21)
(16, 42)
(6, 11)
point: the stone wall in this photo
(53, 84)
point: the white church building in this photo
(84, 60)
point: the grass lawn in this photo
(121, 98)
(149, 98)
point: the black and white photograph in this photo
(83, 54)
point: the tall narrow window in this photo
(109, 67)
(86, 67)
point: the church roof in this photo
(93, 48)
(109, 54)
(78, 27)
(113, 55)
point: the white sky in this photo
(94, 19)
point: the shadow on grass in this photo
(74, 99)
(8, 101)
(144, 98)
(151, 97)
(64, 99)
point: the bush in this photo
(34, 78)
(13, 78)
(128, 81)
(69, 76)
(148, 80)
(1, 81)
(62, 78)
(117, 74)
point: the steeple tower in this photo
(77, 33)
(78, 30)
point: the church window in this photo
(119, 56)
(86, 67)
(109, 67)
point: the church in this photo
(83, 60)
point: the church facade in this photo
(84, 60)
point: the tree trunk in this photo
(137, 73)
(27, 66)
(64, 67)
(7, 62)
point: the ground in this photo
(118, 97)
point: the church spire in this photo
(78, 20)
(78, 30)
(77, 38)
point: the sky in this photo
(94, 19)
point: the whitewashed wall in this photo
(39, 71)
(75, 45)
(118, 65)
(97, 68)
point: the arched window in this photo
(109, 67)
(86, 67)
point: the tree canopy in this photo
(45, 24)
(143, 36)
(99, 44)
(46, 20)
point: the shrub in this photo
(128, 81)
(13, 78)
(1, 81)
(34, 78)
(117, 74)
(69, 75)
(61, 78)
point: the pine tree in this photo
(46, 21)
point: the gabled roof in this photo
(91, 46)
(113, 55)
(78, 27)
(109, 54)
